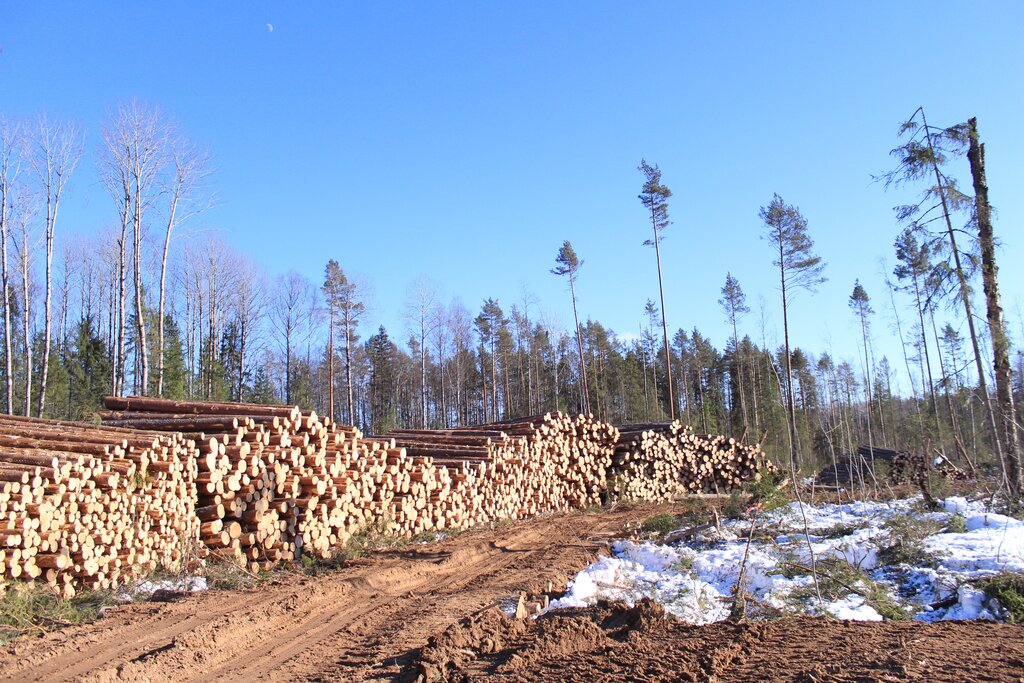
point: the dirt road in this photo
(356, 624)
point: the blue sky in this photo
(466, 140)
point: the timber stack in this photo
(274, 481)
(512, 469)
(663, 460)
(161, 482)
(90, 506)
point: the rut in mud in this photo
(364, 622)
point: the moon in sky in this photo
(270, 27)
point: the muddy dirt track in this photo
(371, 621)
(360, 623)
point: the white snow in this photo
(696, 582)
(187, 584)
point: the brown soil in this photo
(618, 643)
(363, 622)
(372, 622)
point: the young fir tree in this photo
(799, 268)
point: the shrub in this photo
(766, 490)
(837, 578)
(904, 542)
(660, 524)
(1008, 589)
(957, 524)
(735, 506)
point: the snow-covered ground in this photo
(696, 581)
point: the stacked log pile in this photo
(90, 506)
(273, 481)
(660, 461)
(509, 470)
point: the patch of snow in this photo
(852, 608)
(696, 582)
(188, 584)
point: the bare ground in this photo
(372, 622)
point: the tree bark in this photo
(160, 305)
(121, 286)
(26, 292)
(348, 368)
(140, 321)
(965, 297)
(330, 358)
(6, 181)
(1000, 342)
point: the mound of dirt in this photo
(491, 642)
(617, 642)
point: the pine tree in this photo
(734, 305)
(798, 268)
(569, 265)
(654, 196)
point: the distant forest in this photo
(134, 311)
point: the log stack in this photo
(510, 470)
(90, 506)
(664, 460)
(273, 481)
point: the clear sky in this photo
(466, 140)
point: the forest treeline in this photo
(135, 310)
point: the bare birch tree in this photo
(11, 148)
(190, 167)
(57, 148)
(135, 141)
(292, 298)
(421, 297)
(249, 306)
(26, 242)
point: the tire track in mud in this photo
(358, 623)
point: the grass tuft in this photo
(25, 610)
